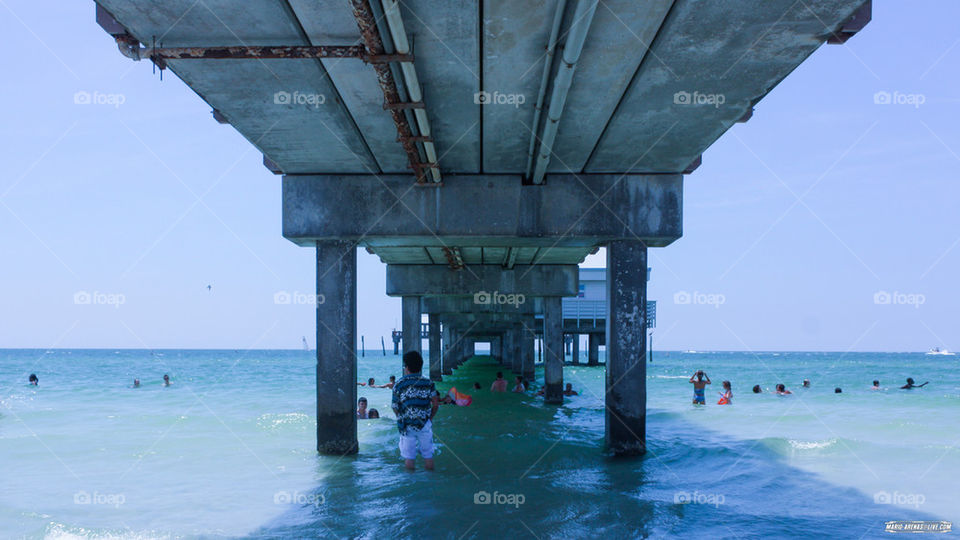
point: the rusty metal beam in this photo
(367, 24)
(454, 259)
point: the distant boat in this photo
(690, 351)
(937, 351)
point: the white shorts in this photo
(423, 437)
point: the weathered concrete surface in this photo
(738, 50)
(410, 323)
(621, 89)
(553, 351)
(575, 353)
(436, 367)
(593, 349)
(336, 351)
(464, 304)
(626, 381)
(434, 280)
(386, 212)
(448, 339)
(527, 344)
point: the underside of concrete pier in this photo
(482, 151)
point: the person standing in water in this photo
(726, 397)
(782, 390)
(415, 403)
(518, 386)
(876, 385)
(34, 380)
(166, 380)
(910, 385)
(699, 380)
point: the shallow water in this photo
(228, 451)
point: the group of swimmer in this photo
(700, 380)
(454, 397)
(35, 381)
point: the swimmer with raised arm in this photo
(910, 385)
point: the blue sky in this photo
(795, 226)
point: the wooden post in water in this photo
(363, 347)
(383, 346)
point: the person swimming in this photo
(782, 390)
(518, 386)
(756, 389)
(136, 383)
(569, 391)
(362, 408)
(373, 414)
(726, 397)
(476, 386)
(876, 385)
(166, 380)
(393, 381)
(910, 384)
(698, 385)
(499, 385)
(34, 380)
(838, 390)
(806, 383)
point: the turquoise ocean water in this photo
(228, 451)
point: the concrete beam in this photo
(436, 367)
(626, 383)
(553, 351)
(484, 210)
(336, 348)
(483, 280)
(466, 304)
(410, 323)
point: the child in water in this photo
(726, 397)
(698, 385)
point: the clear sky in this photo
(795, 225)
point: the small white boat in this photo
(937, 351)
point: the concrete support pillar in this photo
(447, 360)
(411, 324)
(626, 385)
(575, 360)
(553, 349)
(527, 344)
(336, 348)
(516, 357)
(593, 354)
(435, 354)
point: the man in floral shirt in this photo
(415, 402)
